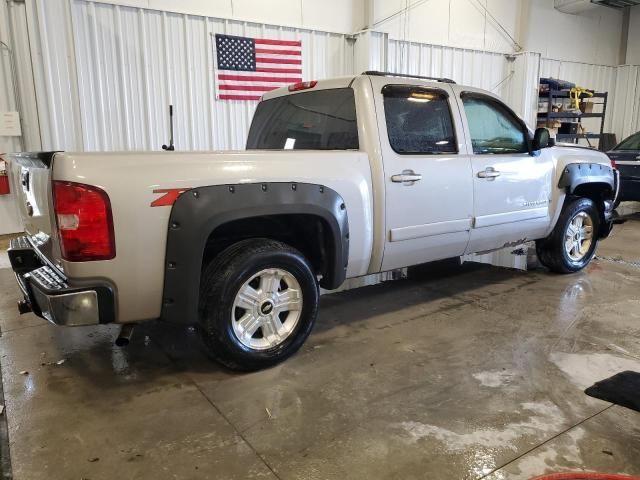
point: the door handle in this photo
(489, 173)
(408, 177)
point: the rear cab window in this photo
(315, 120)
(419, 120)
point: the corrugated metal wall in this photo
(8, 96)
(158, 58)
(8, 103)
(131, 63)
(482, 69)
(626, 103)
(51, 48)
(512, 77)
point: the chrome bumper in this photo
(50, 296)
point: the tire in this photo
(556, 252)
(248, 331)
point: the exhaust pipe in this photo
(125, 335)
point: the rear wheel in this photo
(572, 244)
(259, 300)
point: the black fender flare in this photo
(576, 174)
(198, 212)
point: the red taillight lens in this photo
(613, 163)
(302, 85)
(85, 225)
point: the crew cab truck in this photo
(341, 178)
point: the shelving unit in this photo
(549, 115)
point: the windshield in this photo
(630, 143)
(316, 120)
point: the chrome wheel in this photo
(267, 309)
(579, 236)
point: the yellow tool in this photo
(575, 94)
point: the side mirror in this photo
(541, 139)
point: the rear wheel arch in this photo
(310, 233)
(241, 212)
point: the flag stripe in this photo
(259, 76)
(249, 88)
(278, 52)
(239, 97)
(267, 41)
(255, 83)
(259, 79)
(277, 60)
(277, 56)
(279, 70)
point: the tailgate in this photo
(31, 178)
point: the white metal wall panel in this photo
(487, 70)
(8, 97)
(9, 222)
(521, 90)
(133, 63)
(51, 45)
(626, 104)
(601, 78)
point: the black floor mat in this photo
(622, 389)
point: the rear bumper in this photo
(49, 294)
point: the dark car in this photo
(626, 156)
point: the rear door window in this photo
(418, 120)
(315, 120)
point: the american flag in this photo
(248, 67)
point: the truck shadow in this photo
(349, 309)
(163, 355)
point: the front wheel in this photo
(572, 244)
(258, 303)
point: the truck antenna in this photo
(170, 147)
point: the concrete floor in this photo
(475, 374)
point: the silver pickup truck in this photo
(341, 178)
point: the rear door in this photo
(427, 178)
(511, 187)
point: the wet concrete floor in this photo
(477, 373)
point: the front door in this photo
(428, 184)
(511, 187)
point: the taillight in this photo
(613, 163)
(85, 224)
(302, 85)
